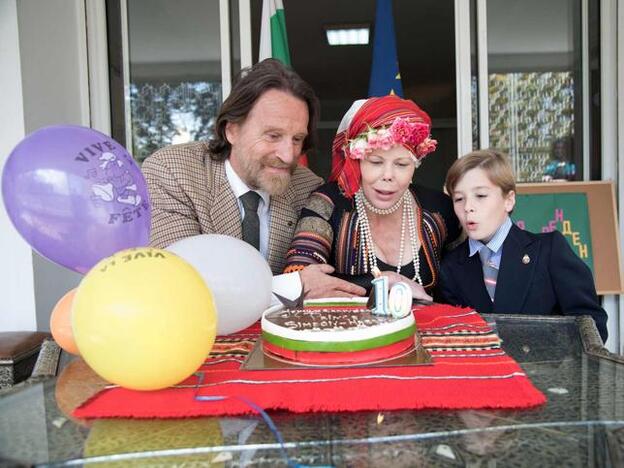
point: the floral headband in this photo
(377, 123)
(414, 136)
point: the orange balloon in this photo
(61, 324)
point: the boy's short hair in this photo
(494, 163)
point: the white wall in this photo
(54, 62)
(43, 65)
(16, 271)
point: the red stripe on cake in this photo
(353, 357)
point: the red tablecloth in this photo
(470, 370)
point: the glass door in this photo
(535, 86)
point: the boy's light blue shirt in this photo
(495, 244)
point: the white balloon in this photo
(237, 274)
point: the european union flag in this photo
(385, 77)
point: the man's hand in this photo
(317, 283)
(418, 292)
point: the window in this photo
(534, 86)
(173, 90)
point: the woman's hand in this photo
(418, 292)
(317, 282)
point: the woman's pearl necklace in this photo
(380, 211)
(368, 246)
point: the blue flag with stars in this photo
(385, 77)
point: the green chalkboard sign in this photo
(565, 212)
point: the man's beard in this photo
(274, 184)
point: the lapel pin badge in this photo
(526, 259)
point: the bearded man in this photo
(245, 182)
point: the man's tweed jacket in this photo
(190, 195)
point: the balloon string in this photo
(258, 409)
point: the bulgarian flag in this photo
(273, 38)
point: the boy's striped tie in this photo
(490, 271)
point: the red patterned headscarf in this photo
(380, 122)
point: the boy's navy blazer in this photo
(539, 274)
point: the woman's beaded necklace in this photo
(380, 211)
(368, 246)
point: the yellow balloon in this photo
(144, 319)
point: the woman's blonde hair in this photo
(495, 164)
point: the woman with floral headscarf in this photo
(370, 218)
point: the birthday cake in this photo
(334, 332)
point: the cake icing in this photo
(336, 330)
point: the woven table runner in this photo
(470, 371)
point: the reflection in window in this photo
(529, 114)
(166, 114)
(474, 99)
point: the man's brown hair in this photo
(250, 84)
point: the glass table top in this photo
(582, 424)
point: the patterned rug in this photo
(470, 370)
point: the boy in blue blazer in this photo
(501, 268)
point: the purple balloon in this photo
(75, 195)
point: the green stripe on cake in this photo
(329, 305)
(316, 303)
(342, 346)
(342, 307)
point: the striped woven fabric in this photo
(327, 232)
(469, 371)
(459, 337)
(232, 347)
